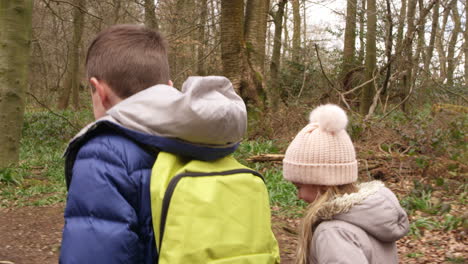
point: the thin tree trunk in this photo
(296, 41)
(388, 46)
(117, 4)
(275, 59)
(371, 59)
(401, 25)
(287, 41)
(466, 47)
(362, 23)
(451, 63)
(262, 36)
(176, 49)
(440, 46)
(430, 47)
(201, 39)
(349, 48)
(73, 78)
(150, 15)
(420, 54)
(408, 53)
(15, 32)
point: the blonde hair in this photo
(311, 219)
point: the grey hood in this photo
(374, 208)
(206, 111)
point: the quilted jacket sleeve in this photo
(101, 225)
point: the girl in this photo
(345, 222)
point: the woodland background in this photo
(399, 68)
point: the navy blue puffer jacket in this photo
(108, 170)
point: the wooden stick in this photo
(266, 158)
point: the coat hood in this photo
(374, 208)
(206, 111)
(205, 120)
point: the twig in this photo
(359, 86)
(377, 96)
(52, 112)
(384, 108)
(304, 76)
(375, 101)
(200, 60)
(332, 86)
(76, 6)
(441, 87)
(321, 67)
(398, 105)
(367, 168)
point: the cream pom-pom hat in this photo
(322, 153)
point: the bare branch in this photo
(76, 6)
(52, 112)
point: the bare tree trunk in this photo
(451, 63)
(388, 46)
(349, 48)
(15, 32)
(178, 24)
(201, 39)
(286, 41)
(73, 78)
(408, 53)
(401, 25)
(232, 13)
(117, 4)
(150, 15)
(362, 23)
(420, 52)
(466, 47)
(371, 59)
(262, 36)
(440, 46)
(430, 47)
(255, 34)
(296, 41)
(275, 59)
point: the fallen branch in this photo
(266, 158)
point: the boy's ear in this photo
(103, 91)
(170, 83)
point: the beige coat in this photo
(360, 228)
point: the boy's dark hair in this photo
(129, 58)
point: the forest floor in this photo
(423, 160)
(32, 234)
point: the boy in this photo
(108, 164)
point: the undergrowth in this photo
(38, 179)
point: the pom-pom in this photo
(331, 118)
